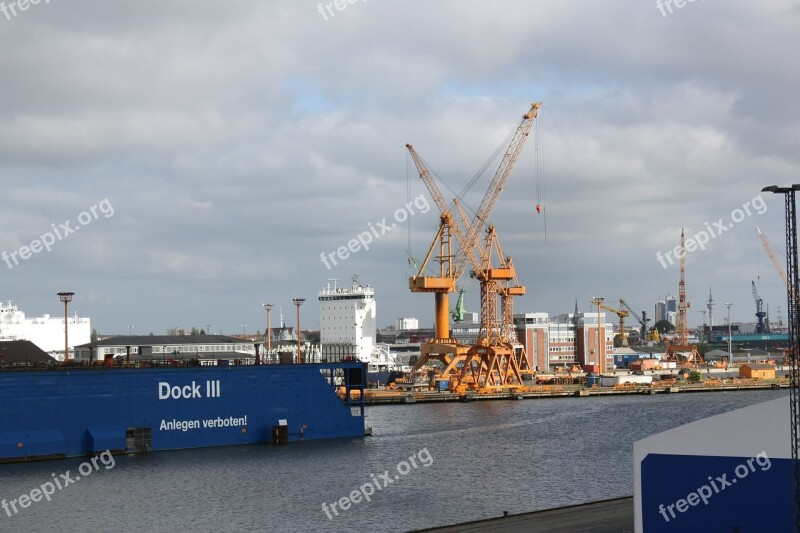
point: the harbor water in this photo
(425, 465)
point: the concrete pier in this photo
(608, 516)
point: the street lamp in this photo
(268, 307)
(598, 301)
(130, 329)
(298, 302)
(243, 328)
(703, 330)
(730, 352)
(66, 297)
(794, 332)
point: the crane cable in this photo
(539, 177)
(408, 200)
(468, 188)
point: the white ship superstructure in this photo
(46, 332)
(347, 323)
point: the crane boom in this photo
(641, 320)
(477, 267)
(773, 257)
(426, 177)
(489, 201)
(622, 315)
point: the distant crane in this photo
(762, 327)
(622, 314)
(458, 313)
(772, 256)
(682, 351)
(642, 320)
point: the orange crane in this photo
(497, 360)
(493, 363)
(773, 257)
(451, 266)
(441, 347)
(782, 273)
(622, 315)
(682, 351)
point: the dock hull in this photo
(78, 412)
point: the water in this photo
(483, 458)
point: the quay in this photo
(388, 396)
(606, 516)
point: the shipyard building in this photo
(565, 340)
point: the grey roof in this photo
(161, 340)
(751, 351)
(23, 352)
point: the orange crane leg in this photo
(442, 315)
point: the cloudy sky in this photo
(192, 160)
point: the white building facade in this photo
(406, 323)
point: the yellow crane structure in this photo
(441, 346)
(495, 361)
(681, 351)
(643, 320)
(482, 368)
(622, 315)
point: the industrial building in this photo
(565, 340)
(207, 349)
(406, 323)
(757, 371)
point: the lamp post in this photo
(298, 302)
(130, 330)
(66, 297)
(703, 330)
(794, 332)
(244, 326)
(730, 352)
(598, 300)
(268, 307)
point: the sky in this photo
(179, 163)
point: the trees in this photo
(664, 326)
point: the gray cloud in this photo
(239, 140)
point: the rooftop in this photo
(161, 340)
